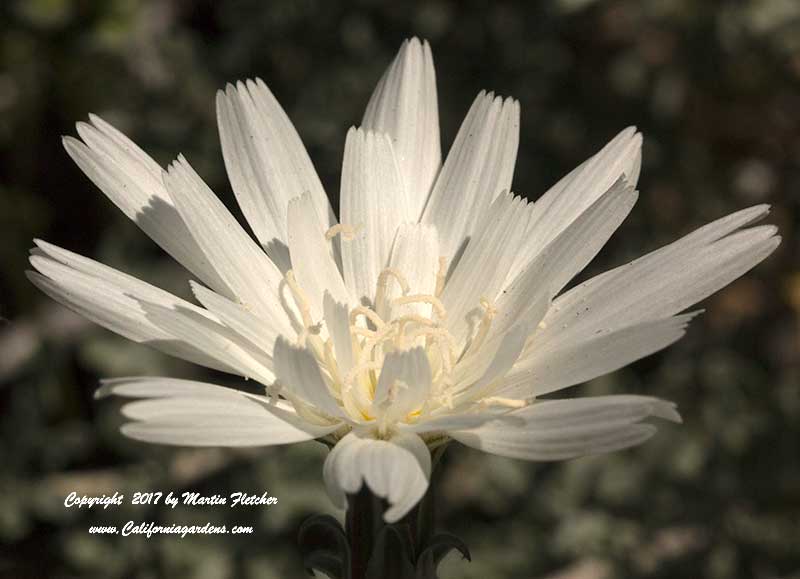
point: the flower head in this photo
(432, 310)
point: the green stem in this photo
(363, 522)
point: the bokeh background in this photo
(714, 86)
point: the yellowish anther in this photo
(300, 298)
(437, 304)
(442, 335)
(371, 315)
(507, 402)
(441, 276)
(542, 325)
(347, 232)
(412, 417)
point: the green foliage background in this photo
(715, 87)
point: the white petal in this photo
(159, 387)
(173, 389)
(483, 268)
(415, 256)
(495, 366)
(562, 429)
(553, 365)
(658, 285)
(571, 196)
(313, 263)
(213, 430)
(455, 421)
(397, 469)
(267, 163)
(115, 301)
(374, 202)
(478, 167)
(588, 411)
(625, 314)
(213, 339)
(338, 323)
(539, 281)
(188, 413)
(239, 261)
(404, 106)
(299, 373)
(132, 180)
(718, 229)
(259, 331)
(404, 383)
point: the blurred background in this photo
(714, 86)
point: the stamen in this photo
(348, 232)
(372, 342)
(300, 298)
(365, 332)
(441, 275)
(330, 361)
(374, 333)
(383, 285)
(383, 279)
(371, 315)
(438, 306)
(349, 379)
(438, 334)
(446, 353)
(403, 321)
(489, 312)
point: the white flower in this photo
(432, 311)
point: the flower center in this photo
(397, 320)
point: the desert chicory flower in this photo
(431, 311)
